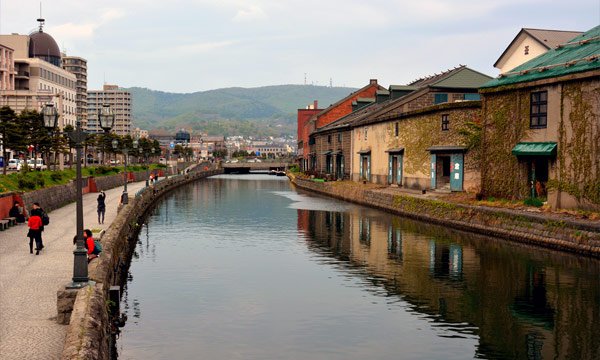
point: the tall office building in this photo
(7, 68)
(78, 66)
(38, 76)
(120, 102)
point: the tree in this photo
(9, 130)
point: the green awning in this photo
(535, 149)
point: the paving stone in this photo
(29, 283)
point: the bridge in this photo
(247, 167)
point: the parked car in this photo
(162, 161)
(38, 164)
(12, 164)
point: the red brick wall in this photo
(344, 108)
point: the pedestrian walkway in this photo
(28, 283)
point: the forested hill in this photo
(262, 111)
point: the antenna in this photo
(41, 19)
(304, 78)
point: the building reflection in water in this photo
(469, 285)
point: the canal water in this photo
(247, 267)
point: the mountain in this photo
(261, 111)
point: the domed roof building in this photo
(43, 46)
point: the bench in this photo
(12, 221)
(4, 224)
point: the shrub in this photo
(39, 179)
(294, 168)
(25, 182)
(56, 176)
(533, 201)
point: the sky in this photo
(195, 45)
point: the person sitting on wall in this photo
(17, 212)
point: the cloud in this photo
(85, 30)
(251, 13)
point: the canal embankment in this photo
(546, 230)
(90, 329)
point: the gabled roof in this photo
(459, 77)
(547, 38)
(578, 55)
(332, 106)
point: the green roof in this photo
(580, 54)
(535, 149)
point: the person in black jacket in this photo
(101, 207)
(17, 212)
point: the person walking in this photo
(101, 207)
(35, 232)
(37, 211)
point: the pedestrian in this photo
(101, 207)
(92, 251)
(35, 232)
(151, 179)
(36, 210)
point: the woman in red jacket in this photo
(35, 232)
(89, 244)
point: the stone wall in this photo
(541, 230)
(58, 196)
(88, 335)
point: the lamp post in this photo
(125, 149)
(80, 269)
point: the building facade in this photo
(78, 66)
(7, 68)
(120, 103)
(39, 77)
(529, 44)
(541, 126)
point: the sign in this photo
(172, 145)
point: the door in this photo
(433, 166)
(399, 169)
(456, 172)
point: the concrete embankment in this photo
(89, 332)
(551, 231)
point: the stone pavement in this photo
(28, 283)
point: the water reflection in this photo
(245, 267)
(470, 285)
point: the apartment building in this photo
(120, 102)
(78, 66)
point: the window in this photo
(339, 138)
(539, 108)
(329, 139)
(440, 98)
(445, 122)
(396, 129)
(472, 97)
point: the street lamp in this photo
(80, 269)
(106, 120)
(125, 149)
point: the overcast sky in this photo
(195, 45)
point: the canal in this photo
(247, 267)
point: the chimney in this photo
(315, 104)
(373, 82)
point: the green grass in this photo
(33, 180)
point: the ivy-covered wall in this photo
(417, 131)
(578, 170)
(573, 122)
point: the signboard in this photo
(172, 145)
